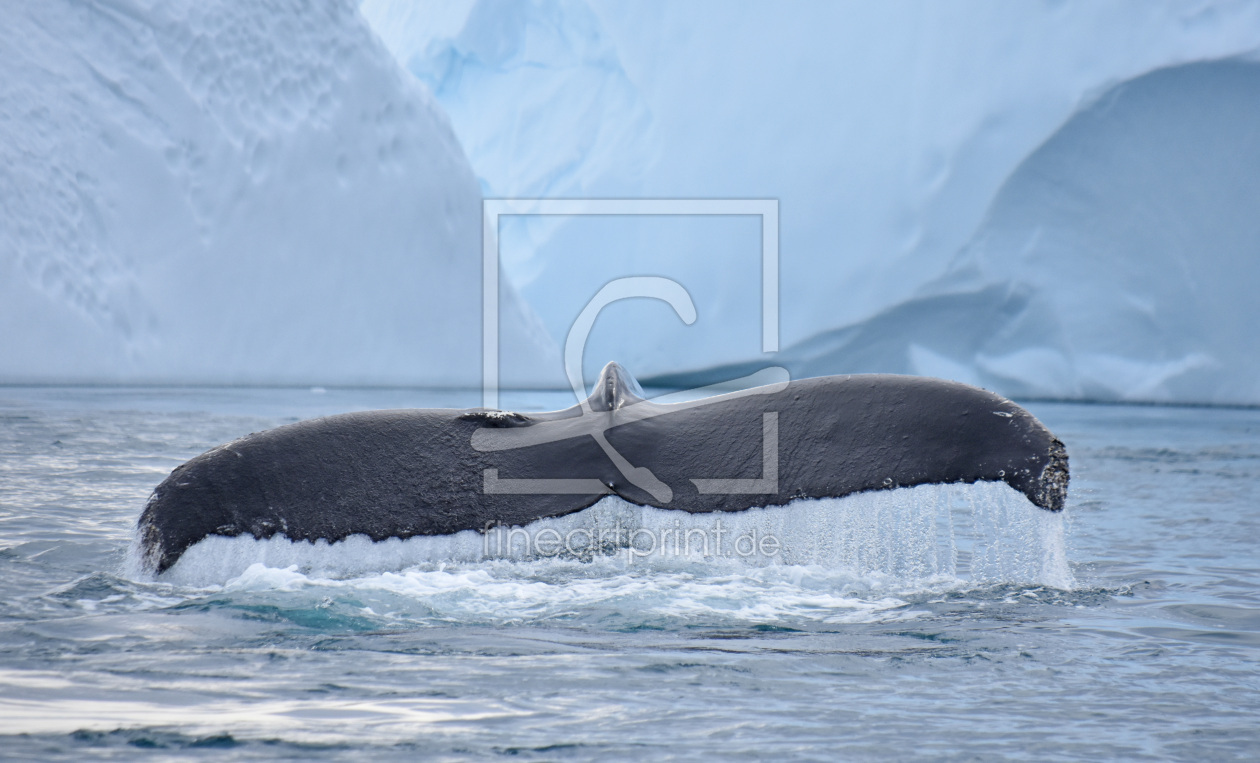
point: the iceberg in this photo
(1048, 199)
(1051, 200)
(1118, 262)
(213, 192)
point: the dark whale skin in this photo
(403, 473)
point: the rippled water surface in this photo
(939, 622)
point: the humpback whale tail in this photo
(405, 473)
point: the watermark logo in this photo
(588, 424)
(677, 541)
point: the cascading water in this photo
(903, 539)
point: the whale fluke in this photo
(403, 473)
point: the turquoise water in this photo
(1128, 628)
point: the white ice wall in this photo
(1135, 232)
(908, 144)
(1049, 199)
(206, 191)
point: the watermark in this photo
(494, 209)
(501, 541)
(769, 380)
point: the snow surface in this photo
(223, 192)
(1050, 199)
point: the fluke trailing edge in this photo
(402, 473)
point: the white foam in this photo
(896, 540)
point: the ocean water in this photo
(939, 622)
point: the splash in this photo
(905, 539)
